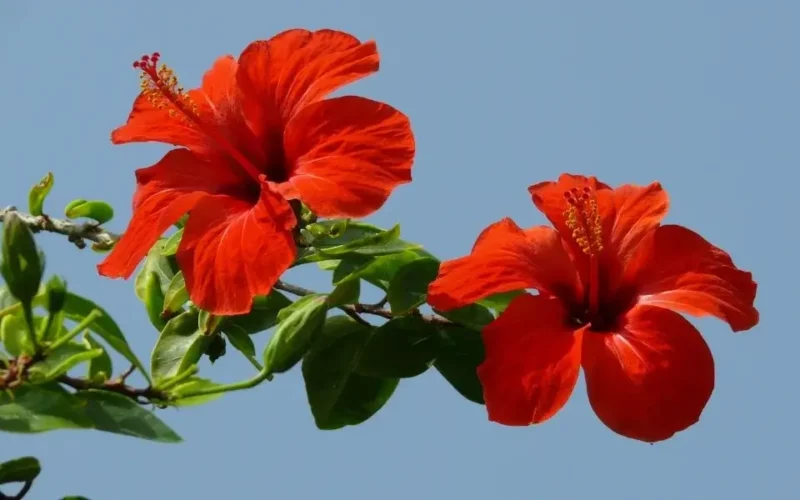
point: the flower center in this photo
(160, 86)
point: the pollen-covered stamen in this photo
(583, 219)
(160, 85)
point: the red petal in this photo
(532, 361)
(506, 258)
(232, 251)
(297, 67)
(652, 378)
(637, 211)
(677, 269)
(164, 193)
(346, 155)
(549, 196)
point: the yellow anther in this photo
(582, 217)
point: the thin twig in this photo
(142, 396)
(373, 309)
(75, 232)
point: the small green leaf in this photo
(115, 413)
(339, 397)
(216, 348)
(98, 210)
(19, 470)
(6, 299)
(299, 325)
(60, 361)
(153, 299)
(263, 315)
(409, 287)
(161, 265)
(76, 308)
(14, 337)
(40, 408)
(357, 239)
(191, 385)
(22, 266)
(378, 271)
(460, 353)
(400, 348)
(179, 346)
(241, 341)
(500, 301)
(38, 194)
(474, 316)
(176, 296)
(100, 367)
(171, 245)
(347, 292)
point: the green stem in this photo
(31, 330)
(253, 361)
(262, 375)
(177, 379)
(79, 328)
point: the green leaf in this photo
(373, 241)
(158, 263)
(460, 353)
(60, 361)
(6, 299)
(22, 266)
(347, 292)
(38, 194)
(12, 334)
(176, 295)
(263, 315)
(115, 413)
(191, 385)
(20, 470)
(378, 271)
(171, 245)
(241, 341)
(40, 408)
(500, 301)
(409, 287)
(98, 210)
(74, 497)
(339, 397)
(474, 316)
(76, 308)
(179, 346)
(401, 347)
(101, 367)
(299, 325)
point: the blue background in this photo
(700, 95)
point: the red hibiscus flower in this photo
(256, 134)
(611, 281)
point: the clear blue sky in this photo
(701, 95)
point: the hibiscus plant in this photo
(269, 173)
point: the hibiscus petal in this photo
(549, 197)
(346, 155)
(532, 361)
(232, 251)
(637, 211)
(677, 269)
(506, 258)
(652, 378)
(164, 193)
(297, 67)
